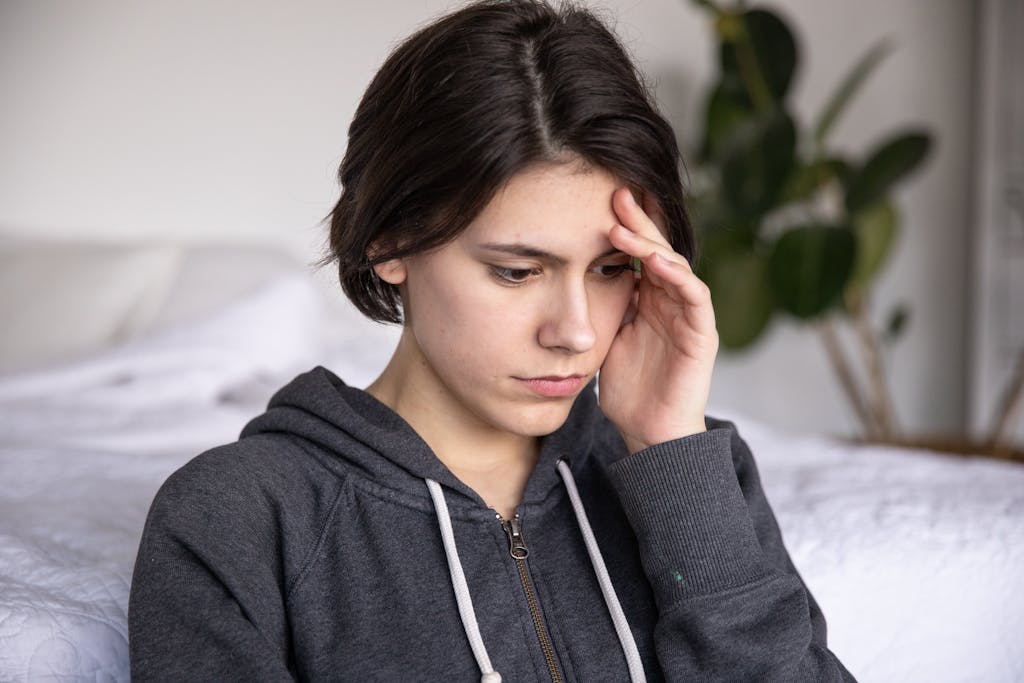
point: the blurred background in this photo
(136, 134)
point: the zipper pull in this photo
(516, 544)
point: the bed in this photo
(916, 558)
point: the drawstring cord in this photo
(465, 602)
(636, 667)
(462, 597)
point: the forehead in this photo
(549, 205)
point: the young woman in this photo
(513, 198)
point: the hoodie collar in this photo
(355, 427)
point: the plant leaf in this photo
(848, 88)
(724, 113)
(806, 179)
(766, 56)
(756, 161)
(875, 228)
(809, 267)
(897, 323)
(737, 276)
(887, 164)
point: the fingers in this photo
(641, 220)
(678, 279)
(664, 268)
(634, 243)
(682, 286)
(650, 254)
(647, 223)
(651, 208)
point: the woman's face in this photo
(506, 324)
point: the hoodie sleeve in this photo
(732, 606)
(206, 597)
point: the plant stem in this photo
(750, 70)
(881, 403)
(846, 379)
(1008, 406)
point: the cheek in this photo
(463, 326)
(610, 307)
(487, 314)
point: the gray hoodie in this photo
(316, 548)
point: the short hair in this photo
(469, 101)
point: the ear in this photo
(392, 271)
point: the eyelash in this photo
(507, 276)
(514, 277)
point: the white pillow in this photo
(62, 302)
(59, 302)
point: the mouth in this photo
(554, 386)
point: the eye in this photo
(513, 276)
(610, 271)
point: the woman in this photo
(512, 197)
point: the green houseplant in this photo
(788, 225)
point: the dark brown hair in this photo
(467, 102)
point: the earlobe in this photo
(392, 271)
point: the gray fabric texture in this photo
(309, 549)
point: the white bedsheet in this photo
(915, 558)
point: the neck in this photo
(494, 463)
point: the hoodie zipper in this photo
(518, 550)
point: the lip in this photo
(554, 386)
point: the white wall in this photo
(199, 121)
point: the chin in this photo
(540, 420)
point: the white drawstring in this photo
(465, 602)
(462, 597)
(636, 667)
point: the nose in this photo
(566, 323)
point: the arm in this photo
(206, 597)
(732, 605)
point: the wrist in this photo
(634, 444)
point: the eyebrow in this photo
(526, 251)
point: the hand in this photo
(655, 381)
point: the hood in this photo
(372, 439)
